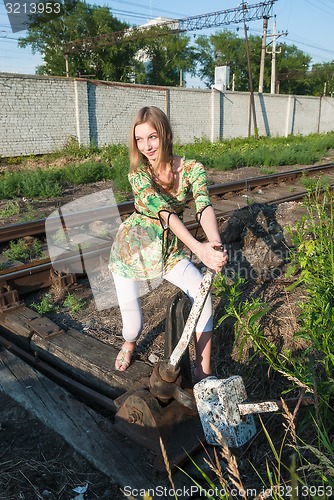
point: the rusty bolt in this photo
(135, 416)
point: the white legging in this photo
(184, 275)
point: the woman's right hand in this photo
(211, 257)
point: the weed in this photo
(15, 160)
(310, 183)
(245, 313)
(311, 368)
(11, 208)
(73, 303)
(292, 469)
(261, 151)
(86, 172)
(75, 150)
(48, 183)
(59, 237)
(23, 250)
(312, 261)
(29, 184)
(44, 306)
(267, 170)
(30, 213)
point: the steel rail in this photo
(220, 189)
(37, 227)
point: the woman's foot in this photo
(123, 359)
(199, 375)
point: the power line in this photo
(312, 46)
(330, 7)
(320, 8)
(193, 23)
(149, 8)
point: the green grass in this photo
(300, 463)
(303, 461)
(44, 306)
(11, 208)
(47, 304)
(23, 251)
(73, 303)
(262, 152)
(89, 164)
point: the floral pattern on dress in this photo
(143, 248)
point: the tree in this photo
(321, 79)
(166, 59)
(227, 48)
(292, 71)
(166, 55)
(80, 20)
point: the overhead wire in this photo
(320, 8)
(149, 8)
(137, 16)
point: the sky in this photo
(308, 24)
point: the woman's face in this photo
(147, 141)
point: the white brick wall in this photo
(235, 113)
(306, 118)
(39, 114)
(112, 107)
(190, 114)
(327, 114)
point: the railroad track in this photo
(37, 227)
(82, 363)
(270, 189)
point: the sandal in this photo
(121, 363)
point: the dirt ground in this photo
(33, 468)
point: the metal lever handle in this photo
(271, 406)
(194, 315)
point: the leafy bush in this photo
(84, 173)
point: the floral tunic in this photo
(144, 247)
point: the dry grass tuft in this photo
(167, 464)
(232, 465)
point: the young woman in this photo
(149, 242)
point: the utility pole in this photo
(66, 66)
(273, 62)
(273, 53)
(263, 53)
(252, 101)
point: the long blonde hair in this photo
(159, 121)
